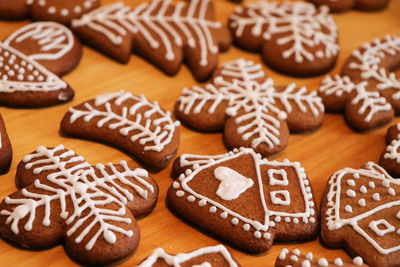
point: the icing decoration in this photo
(374, 87)
(300, 27)
(258, 108)
(163, 26)
(54, 40)
(232, 183)
(370, 208)
(19, 73)
(76, 186)
(181, 258)
(121, 111)
(265, 225)
(296, 259)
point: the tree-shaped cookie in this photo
(390, 157)
(367, 90)
(244, 198)
(164, 33)
(30, 60)
(130, 122)
(296, 259)
(294, 37)
(60, 11)
(251, 110)
(214, 256)
(360, 211)
(5, 148)
(90, 209)
(342, 5)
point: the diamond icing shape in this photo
(284, 200)
(277, 177)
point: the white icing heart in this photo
(232, 183)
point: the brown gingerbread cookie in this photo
(60, 11)
(5, 148)
(213, 256)
(343, 5)
(390, 157)
(244, 198)
(367, 90)
(164, 34)
(130, 122)
(90, 209)
(31, 59)
(251, 110)
(294, 37)
(297, 259)
(360, 213)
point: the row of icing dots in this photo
(63, 11)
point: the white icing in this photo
(376, 226)
(160, 30)
(52, 10)
(351, 193)
(78, 181)
(358, 261)
(361, 202)
(373, 175)
(232, 185)
(153, 134)
(348, 208)
(338, 262)
(205, 162)
(302, 25)
(278, 177)
(284, 200)
(392, 151)
(323, 262)
(181, 258)
(250, 101)
(48, 82)
(282, 255)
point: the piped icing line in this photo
(377, 178)
(391, 151)
(49, 36)
(38, 78)
(152, 140)
(260, 228)
(159, 29)
(239, 89)
(180, 258)
(301, 25)
(84, 188)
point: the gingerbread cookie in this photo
(367, 90)
(159, 31)
(89, 209)
(296, 259)
(60, 11)
(5, 148)
(251, 110)
(127, 121)
(215, 256)
(30, 60)
(390, 157)
(294, 37)
(245, 199)
(360, 212)
(342, 5)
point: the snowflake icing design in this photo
(259, 108)
(84, 193)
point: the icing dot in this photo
(87, 4)
(306, 263)
(294, 258)
(246, 227)
(319, 54)
(257, 234)
(23, 63)
(42, 2)
(30, 77)
(277, 218)
(202, 202)
(77, 9)
(191, 198)
(21, 70)
(188, 172)
(338, 262)
(287, 219)
(11, 73)
(309, 256)
(351, 182)
(323, 262)
(52, 10)
(296, 221)
(305, 220)
(358, 261)
(20, 77)
(271, 223)
(385, 183)
(64, 12)
(4, 77)
(36, 73)
(356, 175)
(110, 237)
(267, 236)
(175, 185)
(16, 66)
(398, 215)
(312, 220)
(30, 67)
(283, 253)
(212, 209)
(391, 192)
(40, 78)
(351, 193)
(6, 54)
(376, 196)
(348, 208)
(224, 215)
(312, 204)
(296, 251)
(371, 184)
(363, 189)
(180, 193)
(235, 221)
(361, 202)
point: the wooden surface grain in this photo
(333, 146)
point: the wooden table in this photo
(321, 152)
